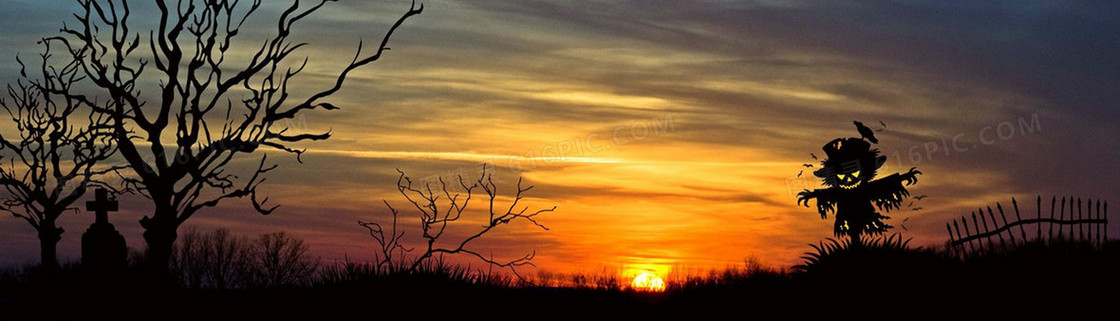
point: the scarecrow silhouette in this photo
(849, 173)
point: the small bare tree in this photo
(56, 154)
(216, 260)
(280, 260)
(221, 260)
(442, 207)
(178, 142)
(391, 251)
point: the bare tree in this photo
(56, 154)
(199, 88)
(280, 260)
(391, 249)
(442, 207)
(217, 260)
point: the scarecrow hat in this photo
(847, 153)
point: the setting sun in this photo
(648, 282)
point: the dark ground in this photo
(1031, 280)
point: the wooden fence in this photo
(1078, 222)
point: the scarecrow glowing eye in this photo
(856, 174)
(841, 176)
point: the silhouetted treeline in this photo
(221, 260)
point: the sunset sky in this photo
(669, 134)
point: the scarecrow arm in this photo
(826, 200)
(888, 192)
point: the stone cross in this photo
(101, 205)
(104, 252)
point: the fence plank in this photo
(1083, 228)
(952, 247)
(975, 224)
(1053, 200)
(950, 229)
(995, 226)
(1038, 210)
(964, 222)
(1080, 227)
(1022, 231)
(984, 219)
(1062, 216)
(1098, 225)
(1071, 217)
(1089, 216)
(1010, 234)
(958, 228)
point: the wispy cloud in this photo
(544, 89)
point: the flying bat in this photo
(814, 156)
(917, 208)
(799, 173)
(882, 123)
(807, 165)
(919, 197)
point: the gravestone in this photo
(104, 251)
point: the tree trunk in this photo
(160, 233)
(49, 235)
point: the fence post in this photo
(952, 248)
(1061, 217)
(958, 228)
(995, 226)
(1074, 219)
(1071, 217)
(984, 220)
(950, 229)
(1053, 201)
(1018, 218)
(1106, 221)
(1089, 219)
(1099, 223)
(1010, 234)
(1080, 226)
(1038, 210)
(964, 221)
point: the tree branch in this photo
(434, 221)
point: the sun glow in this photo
(648, 282)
